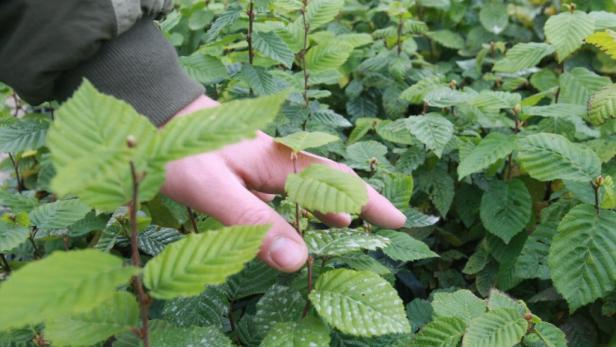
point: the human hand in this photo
(234, 183)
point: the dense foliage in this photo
(491, 124)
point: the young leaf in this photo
(493, 147)
(604, 40)
(602, 105)
(23, 134)
(582, 265)
(441, 332)
(12, 235)
(310, 332)
(186, 266)
(59, 214)
(523, 56)
(461, 304)
(567, 31)
(433, 130)
(403, 247)
(321, 12)
(398, 189)
(506, 208)
(447, 38)
(303, 140)
(578, 84)
(117, 314)
(549, 157)
(340, 241)
(550, 334)
(204, 68)
(320, 188)
(62, 284)
(272, 46)
(359, 303)
(500, 327)
(327, 56)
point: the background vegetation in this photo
(491, 124)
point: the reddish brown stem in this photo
(595, 188)
(136, 259)
(251, 19)
(193, 221)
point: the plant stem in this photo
(298, 225)
(191, 216)
(399, 34)
(304, 50)
(5, 264)
(20, 183)
(251, 18)
(309, 263)
(37, 254)
(595, 188)
(135, 259)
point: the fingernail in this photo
(287, 254)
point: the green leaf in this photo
(327, 56)
(602, 105)
(605, 41)
(363, 262)
(255, 278)
(320, 188)
(404, 247)
(501, 327)
(59, 214)
(279, 304)
(523, 56)
(578, 84)
(310, 332)
(209, 308)
(204, 68)
(23, 134)
(62, 284)
(533, 259)
(303, 140)
(398, 189)
(91, 122)
(415, 94)
(259, 79)
(506, 208)
(164, 334)
(272, 46)
(581, 260)
(396, 132)
(567, 31)
(447, 38)
(185, 267)
(549, 157)
(433, 130)
(321, 12)
(550, 334)
(340, 241)
(367, 155)
(499, 300)
(460, 304)
(359, 303)
(11, 236)
(441, 332)
(211, 128)
(440, 188)
(492, 148)
(493, 16)
(154, 239)
(225, 20)
(117, 314)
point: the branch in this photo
(251, 19)
(193, 221)
(20, 183)
(304, 50)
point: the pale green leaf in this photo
(506, 208)
(323, 189)
(359, 303)
(441, 332)
(415, 94)
(403, 247)
(367, 155)
(500, 299)
(303, 140)
(327, 56)
(494, 16)
(59, 214)
(501, 327)
(398, 188)
(447, 38)
(581, 259)
(433, 130)
(225, 20)
(272, 46)
(310, 332)
(320, 12)
(602, 105)
(23, 134)
(492, 148)
(62, 284)
(549, 157)
(362, 262)
(567, 31)
(523, 56)
(551, 335)
(578, 84)
(396, 131)
(204, 68)
(340, 241)
(604, 40)
(11, 236)
(117, 314)
(461, 304)
(185, 267)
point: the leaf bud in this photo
(131, 141)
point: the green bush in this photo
(491, 124)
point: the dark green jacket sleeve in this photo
(48, 46)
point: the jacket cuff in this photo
(139, 67)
